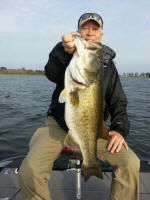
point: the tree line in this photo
(21, 71)
(135, 75)
(4, 70)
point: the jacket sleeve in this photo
(117, 104)
(57, 63)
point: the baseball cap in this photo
(90, 16)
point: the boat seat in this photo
(75, 161)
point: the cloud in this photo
(145, 18)
(31, 28)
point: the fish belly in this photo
(84, 121)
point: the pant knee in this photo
(132, 162)
(137, 162)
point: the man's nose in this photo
(90, 31)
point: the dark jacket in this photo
(113, 93)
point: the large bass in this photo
(84, 103)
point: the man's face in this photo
(91, 31)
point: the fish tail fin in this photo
(94, 170)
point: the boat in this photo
(63, 181)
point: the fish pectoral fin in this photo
(74, 98)
(62, 96)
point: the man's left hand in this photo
(116, 142)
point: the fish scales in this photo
(87, 121)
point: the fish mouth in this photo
(77, 82)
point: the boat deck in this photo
(62, 186)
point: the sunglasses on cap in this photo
(89, 16)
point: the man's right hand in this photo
(68, 43)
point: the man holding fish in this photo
(88, 82)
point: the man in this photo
(47, 143)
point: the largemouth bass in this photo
(84, 103)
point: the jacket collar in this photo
(108, 54)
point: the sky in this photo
(29, 29)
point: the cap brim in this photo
(98, 22)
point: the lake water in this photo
(24, 101)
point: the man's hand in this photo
(116, 142)
(68, 43)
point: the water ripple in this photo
(25, 99)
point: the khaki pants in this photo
(46, 145)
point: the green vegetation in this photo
(22, 71)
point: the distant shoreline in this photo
(30, 72)
(21, 72)
(134, 77)
(25, 74)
